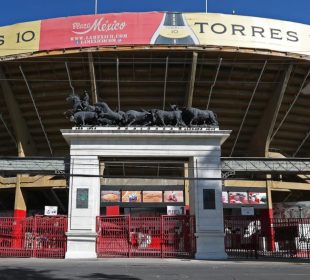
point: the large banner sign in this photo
(250, 32)
(20, 38)
(99, 30)
(155, 28)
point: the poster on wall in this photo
(152, 196)
(131, 196)
(238, 197)
(257, 198)
(110, 196)
(50, 210)
(82, 198)
(247, 211)
(224, 197)
(175, 210)
(287, 210)
(173, 196)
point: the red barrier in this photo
(113, 236)
(49, 237)
(165, 236)
(42, 237)
(257, 237)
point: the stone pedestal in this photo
(84, 207)
(202, 147)
(206, 204)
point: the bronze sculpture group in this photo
(82, 113)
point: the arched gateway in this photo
(199, 147)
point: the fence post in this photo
(129, 235)
(34, 236)
(161, 235)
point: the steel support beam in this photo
(192, 79)
(117, 81)
(302, 143)
(259, 144)
(248, 107)
(291, 105)
(214, 82)
(60, 204)
(36, 110)
(165, 83)
(266, 165)
(92, 74)
(21, 130)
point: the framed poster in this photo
(238, 197)
(131, 196)
(82, 198)
(110, 196)
(257, 198)
(173, 196)
(247, 211)
(152, 196)
(225, 197)
(50, 210)
(175, 210)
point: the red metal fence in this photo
(256, 237)
(165, 236)
(39, 236)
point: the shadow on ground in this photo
(31, 274)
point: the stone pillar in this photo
(84, 207)
(206, 204)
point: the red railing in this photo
(39, 236)
(165, 236)
(256, 237)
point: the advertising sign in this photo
(20, 38)
(99, 30)
(110, 196)
(155, 28)
(173, 196)
(131, 196)
(175, 210)
(287, 210)
(50, 210)
(249, 32)
(152, 196)
(238, 197)
(257, 198)
(224, 197)
(247, 211)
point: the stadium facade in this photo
(252, 72)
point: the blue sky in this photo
(13, 11)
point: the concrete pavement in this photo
(150, 269)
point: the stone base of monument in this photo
(81, 245)
(210, 246)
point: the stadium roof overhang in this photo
(259, 94)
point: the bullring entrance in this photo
(93, 149)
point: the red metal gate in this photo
(113, 236)
(49, 239)
(257, 237)
(41, 237)
(165, 236)
(15, 237)
(178, 238)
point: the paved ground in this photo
(150, 269)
